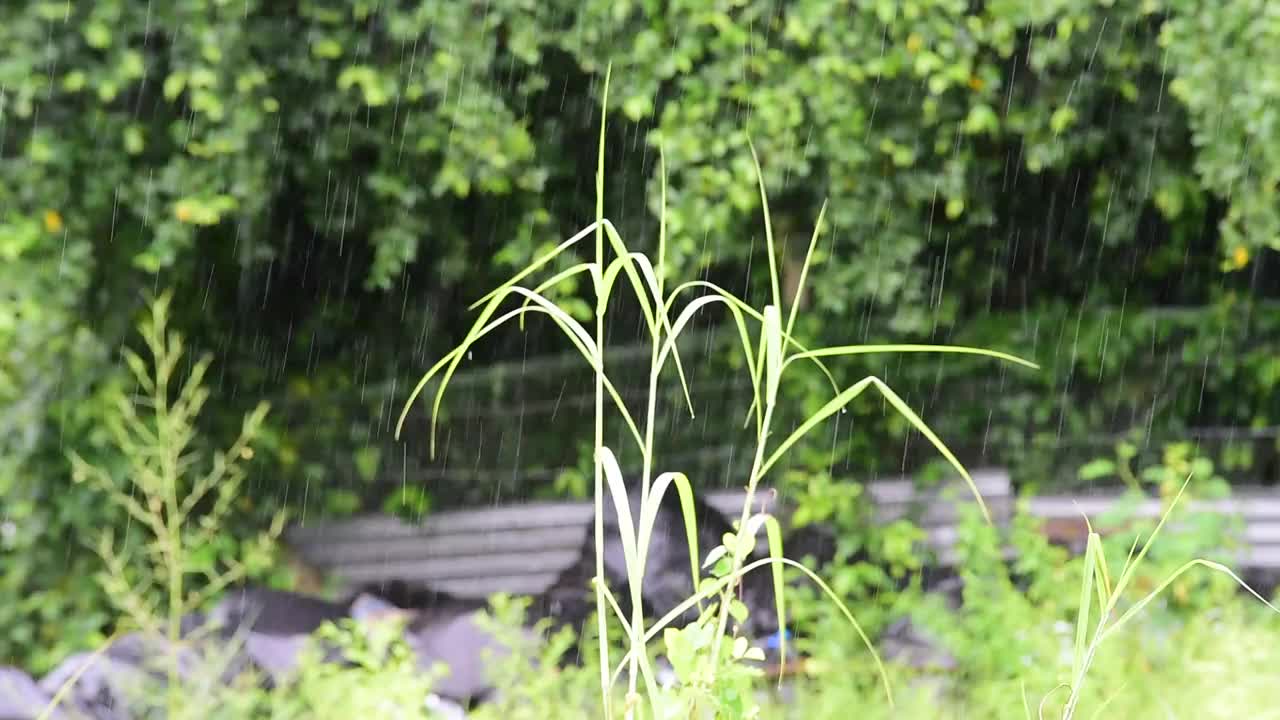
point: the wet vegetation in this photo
(635, 253)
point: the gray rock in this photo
(130, 674)
(462, 644)
(910, 645)
(906, 642)
(21, 698)
(274, 612)
(275, 655)
(100, 686)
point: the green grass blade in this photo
(572, 327)
(919, 424)
(662, 218)
(804, 268)
(1103, 584)
(649, 514)
(775, 286)
(1215, 566)
(839, 401)
(1128, 560)
(1051, 693)
(537, 264)
(422, 384)
(454, 359)
(583, 343)
(1110, 699)
(542, 287)
(650, 274)
(662, 318)
(845, 350)
(604, 114)
(617, 610)
(587, 347)
(773, 359)
(686, 315)
(626, 524)
(1082, 614)
(753, 313)
(472, 336)
(633, 557)
(757, 400)
(735, 308)
(832, 407)
(628, 266)
(1130, 568)
(601, 625)
(774, 532)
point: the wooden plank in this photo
(1262, 558)
(477, 587)
(941, 513)
(991, 482)
(1251, 504)
(567, 513)
(513, 585)
(535, 560)
(494, 519)
(729, 502)
(349, 552)
(1262, 533)
(1257, 508)
(521, 548)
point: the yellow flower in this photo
(914, 42)
(52, 221)
(182, 211)
(1240, 256)
(976, 83)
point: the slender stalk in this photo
(601, 607)
(637, 573)
(646, 477)
(753, 480)
(172, 540)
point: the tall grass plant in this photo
(703, 660)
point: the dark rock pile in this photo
(252, 629)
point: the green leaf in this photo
(73, 81)
(367, 460)
(97, 35)
(1096, 469)
(133, 140)
(326, 48)
(637, 107)
(714, 556)
(1061, 119)
(174, 85)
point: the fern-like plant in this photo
(177, 494)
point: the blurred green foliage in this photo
(327, 185)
